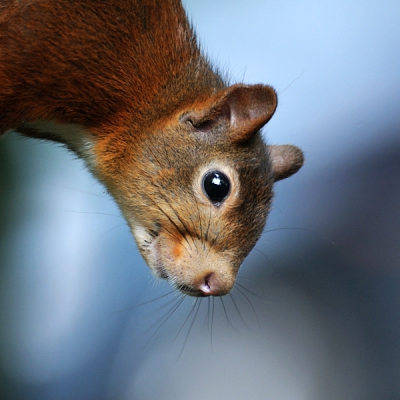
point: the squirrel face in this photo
(191, 238)
(196, 194)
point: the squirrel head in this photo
(197, 191)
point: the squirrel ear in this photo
(251, 107)
(244, 109)
(285, 160)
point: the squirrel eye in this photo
(216, 186)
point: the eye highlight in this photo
(216, 186)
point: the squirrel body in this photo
(124, 85)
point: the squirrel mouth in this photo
(197, 271)
(186, 290)
(160, 272)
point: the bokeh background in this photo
(317, 315)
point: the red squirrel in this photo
(124, 85)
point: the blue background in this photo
(319, 317)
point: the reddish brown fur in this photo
(92, 63)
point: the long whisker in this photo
(301, 229)
(208, 225)
(170, 219)
(165, 305)
(215, 238)
(291, 83)
(151, 151)
(171, 312)
(166, 199)
(93, 213)
(212, 323)
(208, 312)
(174, 301)
(294, 251)
(181, 232)
(202, 241)
(248, 290)
(238, 311)
(186, 319)
(185, 228)
(226, 314)
(208, 233)
(266, 257)
(248, 300)
(198, 302)
(145, 302)
(213, 241)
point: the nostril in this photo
(208, 284)
(214, 284)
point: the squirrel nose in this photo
(212, 286)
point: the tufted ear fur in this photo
(243, 109)
(285, 160)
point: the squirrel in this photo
(124, 85)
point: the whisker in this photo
(212, 323)
(151, 151)
(226, 314)
(166, 215)
(186, 319)
(250, 291)
(145, 303)
(202, 238)
(104, 195)
(165, 305)
(174, 302)
(208, 225)
(113, 229)
(170, 205)
(295, 253)
(198, 302)
(165, 319)
(207, 234)
(93, 213)
(208, 312)
(266, 298)
(250, 303)
(238, 311)
(183, 224)
(170, 219)
(291, 83)
(185, 229)
(310, 231)
(271, 263)
(215, 238)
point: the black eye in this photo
(216, 186)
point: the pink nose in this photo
(212, 286)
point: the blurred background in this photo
(316, 314)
